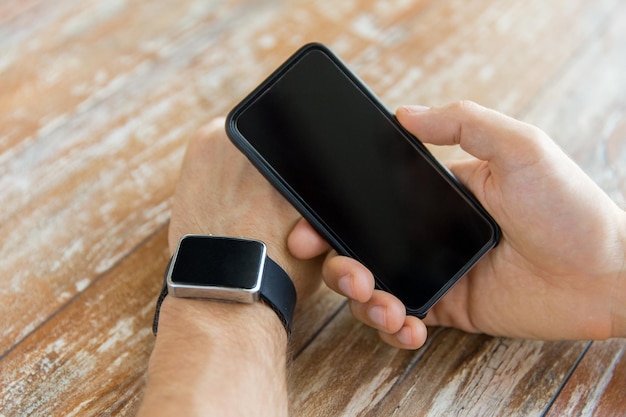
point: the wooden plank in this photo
(499, 377)
(597, 385)
(312, 316)
(75, 56)
(454, 374)
(584, 108)
(92, 355)
(346, 360)
(498, 54)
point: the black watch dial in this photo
(210, 261)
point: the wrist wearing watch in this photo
(227, 269)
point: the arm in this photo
(559, 270)
(220, 358)
(213, 358)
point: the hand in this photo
(226, 348)
(221, 193)
(558, 272)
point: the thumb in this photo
(484, 133)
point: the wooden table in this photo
(98, 99)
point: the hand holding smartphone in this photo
(375, 193)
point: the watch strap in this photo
(277, 291)
(162, 295)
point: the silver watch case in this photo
(222, 292)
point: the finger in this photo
(412, 335)
(305, 243)
(484, 133)
(382, 311)
(348, 277)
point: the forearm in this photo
(215, 358)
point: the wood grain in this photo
(454, 374)
(98, 100)
(584, 107)
(100, 363)
(604, 364)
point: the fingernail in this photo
(345, 285)
(413, 108)
(405, 336)
(377, 315)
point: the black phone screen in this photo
(368, 186)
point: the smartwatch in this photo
(227, 269)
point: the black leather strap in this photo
(157, 311)
(277, 290)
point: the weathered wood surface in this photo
(97, 101)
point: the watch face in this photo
(211, 261)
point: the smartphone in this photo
(369, 187)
